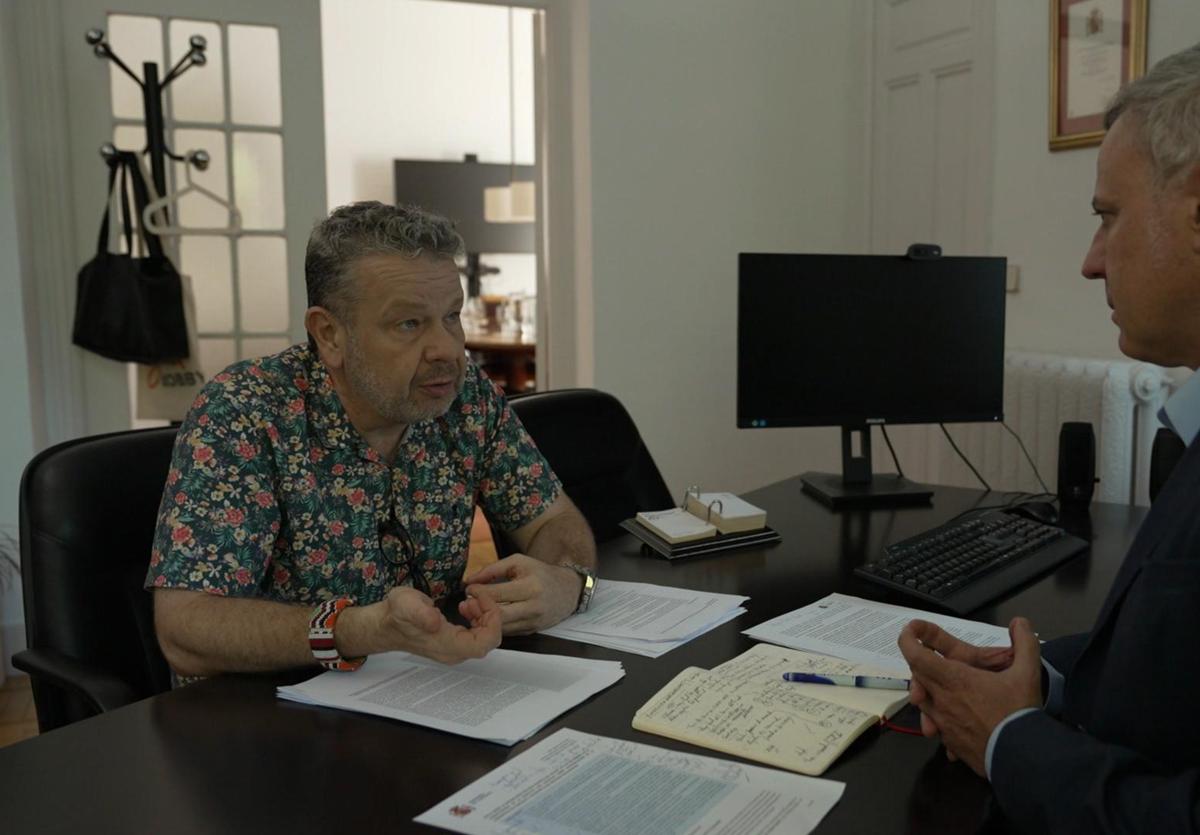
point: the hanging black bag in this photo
(129, 308)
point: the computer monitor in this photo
(455, 190)
(859, 340)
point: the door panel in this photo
(256, 108)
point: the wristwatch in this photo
(589, 584)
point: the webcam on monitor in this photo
(923, 252)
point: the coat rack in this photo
(156, 145)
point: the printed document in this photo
(647, 619)
(573, 783)
(505, 697)
(864, 631)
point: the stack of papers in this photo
(646, 619)
(573, 783)
(505, 697)
(865, 631)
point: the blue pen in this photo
(876, 682)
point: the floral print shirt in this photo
(273, 493)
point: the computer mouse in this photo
(1044, 512)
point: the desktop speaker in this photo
(1168, 448)
(1076, 465)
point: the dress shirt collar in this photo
(1182, 412)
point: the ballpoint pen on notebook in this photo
(876, 682)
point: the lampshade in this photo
(524, 201)
(497, 204)
(513, 203)
(516, 202)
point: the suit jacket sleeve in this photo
(1049, 777)
(1063, 652)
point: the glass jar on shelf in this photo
(474, 317)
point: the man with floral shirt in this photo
(319, 502)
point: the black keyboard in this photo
(964, 564)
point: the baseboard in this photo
(12, 638)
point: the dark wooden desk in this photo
(225, 756)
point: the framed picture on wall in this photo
(1096, 46)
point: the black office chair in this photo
(593, 445)
(88, 511)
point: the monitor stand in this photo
(857, 486)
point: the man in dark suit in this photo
(1097, 732)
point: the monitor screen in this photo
(846, 340)
(455, 190)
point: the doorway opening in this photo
(434, 102)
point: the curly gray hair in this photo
(1165, 105)
(369, 228)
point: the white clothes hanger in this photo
(153, 213)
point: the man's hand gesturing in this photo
(532, 594)
(408, 620)
(964, 691)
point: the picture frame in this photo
(1096, 46)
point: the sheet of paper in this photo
(864, 631)
(504, 697)
(676, 525)
(573, 783)
(766, 664)
(649, 648)
(732, 506)
(773, 723)
(648, 612)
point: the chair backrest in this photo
(88, 511)
(592, 444)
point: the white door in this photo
(256, 108)
(931, 158)
(931, 131)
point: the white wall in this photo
(1042, 201)
(16, 427)
(424, 79)
(717, 128)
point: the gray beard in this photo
(397, 406)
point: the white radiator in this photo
(1120, 398)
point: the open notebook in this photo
(745, 708)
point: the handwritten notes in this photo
(765, 664)
(772, 723)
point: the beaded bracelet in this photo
(320, 636)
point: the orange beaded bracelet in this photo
(320, 636)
